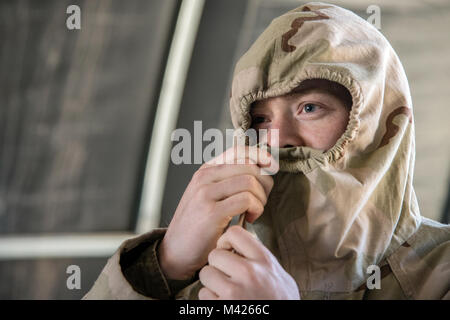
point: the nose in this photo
(289, 134)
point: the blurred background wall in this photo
(77, 109)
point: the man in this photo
(342, 204)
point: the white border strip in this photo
(167, 114)
(61, 246)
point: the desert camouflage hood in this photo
(332, 214)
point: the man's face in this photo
(313, 118)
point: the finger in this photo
(228, 262)
(244, 154)
(206, 294)
(207, 175)
(236, 184)
(214, 279)
(239, 203)
(243, 242)
(221, 172)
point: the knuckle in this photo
(250, 181)
(251, 203)
(229, 233)
(259, 209)
(266, 260)
(234, 230)
(202, 192)
(248, 272)
(199, 175)
(257, 275)
(247, 198)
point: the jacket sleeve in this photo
(133, 272)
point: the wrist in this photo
(170, 268)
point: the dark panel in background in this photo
(206, 85)
(46, 278)
(75, 111)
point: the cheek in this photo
(323, 134)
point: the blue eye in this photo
(309, 107)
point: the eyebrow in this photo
(325, 86)
(294, 94)
(255, 106)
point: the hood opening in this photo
(319, 86)
(302, 158)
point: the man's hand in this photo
(252, 274)
(216, 193)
